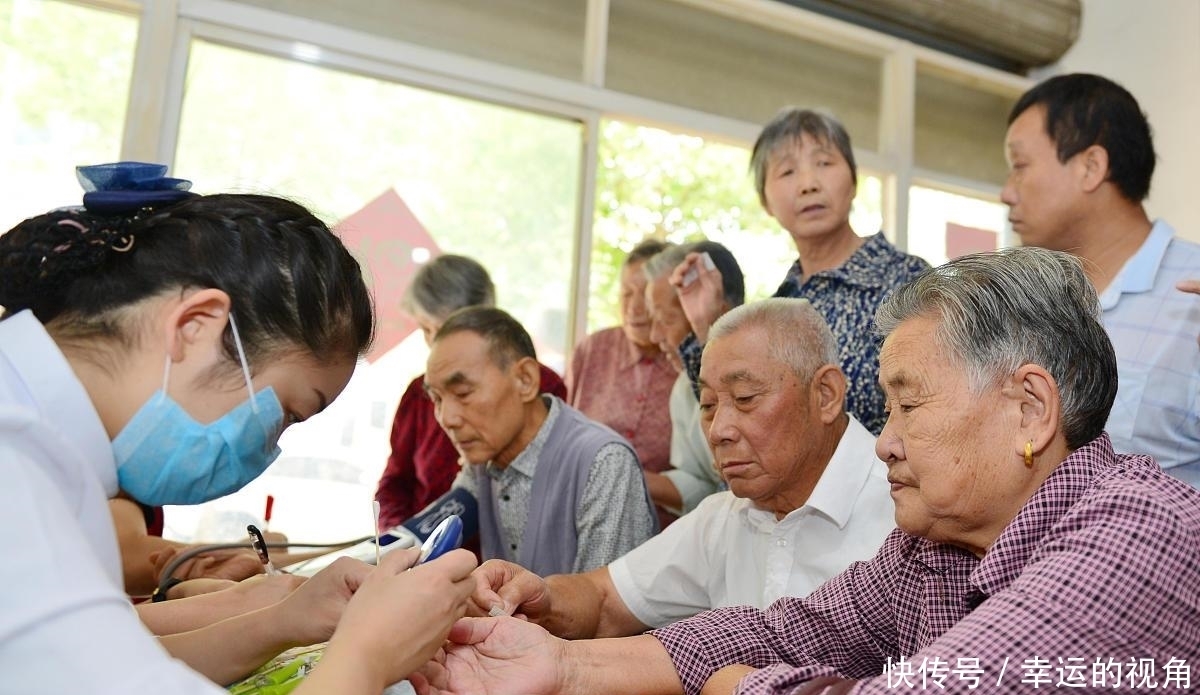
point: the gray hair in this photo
(797, 334)
(449, 283)
(999, 310)
(663, 262)
(786, 128)
(507, 339)
(643, 250)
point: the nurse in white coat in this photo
(157, 342)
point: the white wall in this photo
(1152, 48)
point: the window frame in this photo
(168, 27)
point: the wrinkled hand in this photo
(199, 587)
(493, 656)
(397, 618)
(510, 587)
(703, 299)
(232, 564)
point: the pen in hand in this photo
(260, 546)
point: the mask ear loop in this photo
(166, 374)
(237, 341)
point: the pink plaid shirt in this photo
(610, 382)
(1095, 584)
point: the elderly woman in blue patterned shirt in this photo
(806, 178)
(1029, 555)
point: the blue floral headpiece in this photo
(128, 187)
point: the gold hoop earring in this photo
(1029, 454)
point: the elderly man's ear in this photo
(1034, 394)
(830, 385)
(528, 375)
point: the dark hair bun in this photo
(42, 256)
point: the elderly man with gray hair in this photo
(1028, 553)
(423, 463)
(807, 494)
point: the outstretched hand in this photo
(232, 564)
(507, 587)
(493, 656)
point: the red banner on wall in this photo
(388, 240)
(961, 240)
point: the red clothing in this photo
(610, 382)
(154, 518)
(423, 461)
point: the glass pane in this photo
(960, 129)
(403, 174)
(671, 52)
(654, 183)
(944, 225)
(545, 37)
(866, 214)
(64, 85)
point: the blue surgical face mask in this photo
(164, 456)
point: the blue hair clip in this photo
(127, 187)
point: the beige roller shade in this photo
(538, 35)
(682, 55)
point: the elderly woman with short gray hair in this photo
(1028, 555)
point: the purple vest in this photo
(549, 544)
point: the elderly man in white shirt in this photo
(807, 495)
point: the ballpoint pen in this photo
(260, 546)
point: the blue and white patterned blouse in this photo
(847, 296)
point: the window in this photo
(958, 149)
(64, 83)
(403, 174)
(944, 225)
(459, 175)
(960, 127)
(679, 188)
